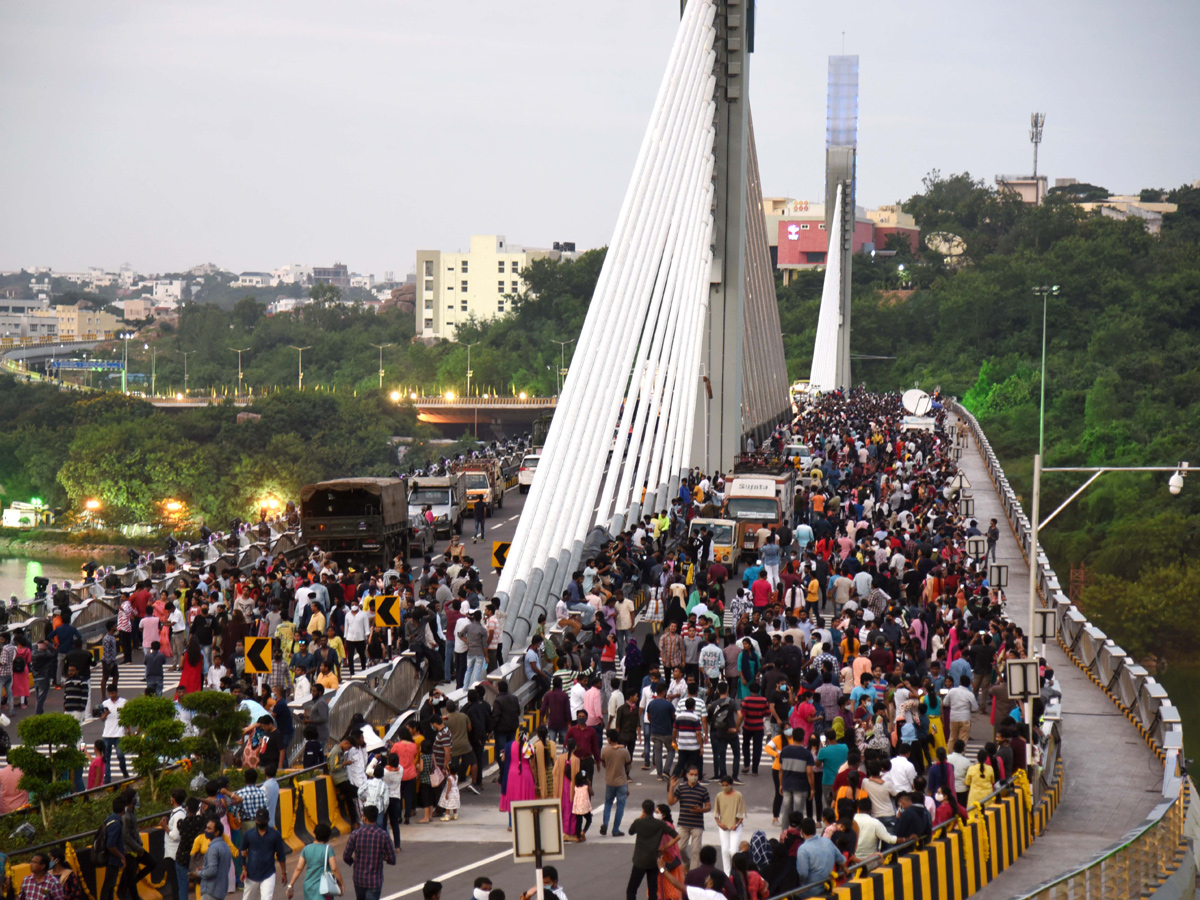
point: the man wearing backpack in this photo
(723, 721)
(108, 848)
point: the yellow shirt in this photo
(200, 845)
(980, 781)
(772, 748)
(328, 681)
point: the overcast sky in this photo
(255, 134)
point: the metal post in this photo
(239, 353)
(562, 362)
(300, 366)
(469, 346)
(1033, 573)
(537, 854)
(380, 347)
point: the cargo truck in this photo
(364, 519)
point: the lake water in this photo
(17, 573)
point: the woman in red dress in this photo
(191, 679)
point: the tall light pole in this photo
(300, 369)
(380, 347)
(1174, 485)
(239, 353)
(469, 346)
(562, 361)
(153, 368)
(185, 369)
(1045, 291)
(125, 336)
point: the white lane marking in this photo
(514, 518)
(448, 875)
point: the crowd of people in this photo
(846, 659)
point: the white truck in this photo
(446, 497)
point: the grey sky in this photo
(255, 134)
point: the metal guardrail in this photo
(1131, 688)
(486, 401)
(1136, 866)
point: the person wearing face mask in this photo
(694, 802)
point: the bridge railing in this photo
(1142, 699)
(485, 401)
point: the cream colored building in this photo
(76, 321)
(453, 287)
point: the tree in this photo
(323, 294)
(1080, 192)
(220, 723)
(48, 773)
(153, 735)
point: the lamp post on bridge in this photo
(300, 366)
(1045, 291)
(469, 373)
(1174, 485)
(153, 368)
(185, 369)
(562, 362)
(125, 336)
(239, 353)
(380, 347)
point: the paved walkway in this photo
(1113, 779)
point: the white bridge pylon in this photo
(624, 429)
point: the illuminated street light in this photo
(92, 505)
(523, 396)
(413, 395)
(395, 396)
(449, 395)
(174, 506)
(179, 396)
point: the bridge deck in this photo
(1113, 780)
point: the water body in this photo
(17, 573)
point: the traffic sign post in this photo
(966, 506)
(998, 575)
(500, 553)
(258, 655)
(1045, 625)
(537, 834)
(977, 546)
(387, 611)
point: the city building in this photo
(134, 309)
(78, 322)
(338, 275)
(453, 287)
(292, 274)
(1030, 188)
(1131, 206)
(286, 304)
(29, 318)
(366, 282)
(254, 280)
(798, 240)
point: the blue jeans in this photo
(479, 528)
(109, 744)
(42, 687)
(181, 880)
(362, 893)
(154, 684)
(6, 688)
(476, 670)
(587, 614)
(206, 652)
(620, 794)
(646, 743)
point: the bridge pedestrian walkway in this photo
(1112, 779)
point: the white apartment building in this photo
(292, 274)
(28, 319)
(254, 280)
(166, 289)
(453, 287)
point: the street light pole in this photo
(1045, 291)
(300, 368)
(185, 369)
(125, 364)
(1036, 524)
(380, 347)
(469, 373)
(239, 353)
(562, 361)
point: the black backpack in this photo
(100, 841)
(18, 664)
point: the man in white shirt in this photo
(178, 634)
(961, 702)
(960, 762)
(903, 771)
(113, 732)
(356, 629)
(870, 831)
(578, 692)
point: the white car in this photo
(529, 464)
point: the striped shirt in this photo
(687, 724)
(754, 709)
(691, 798)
